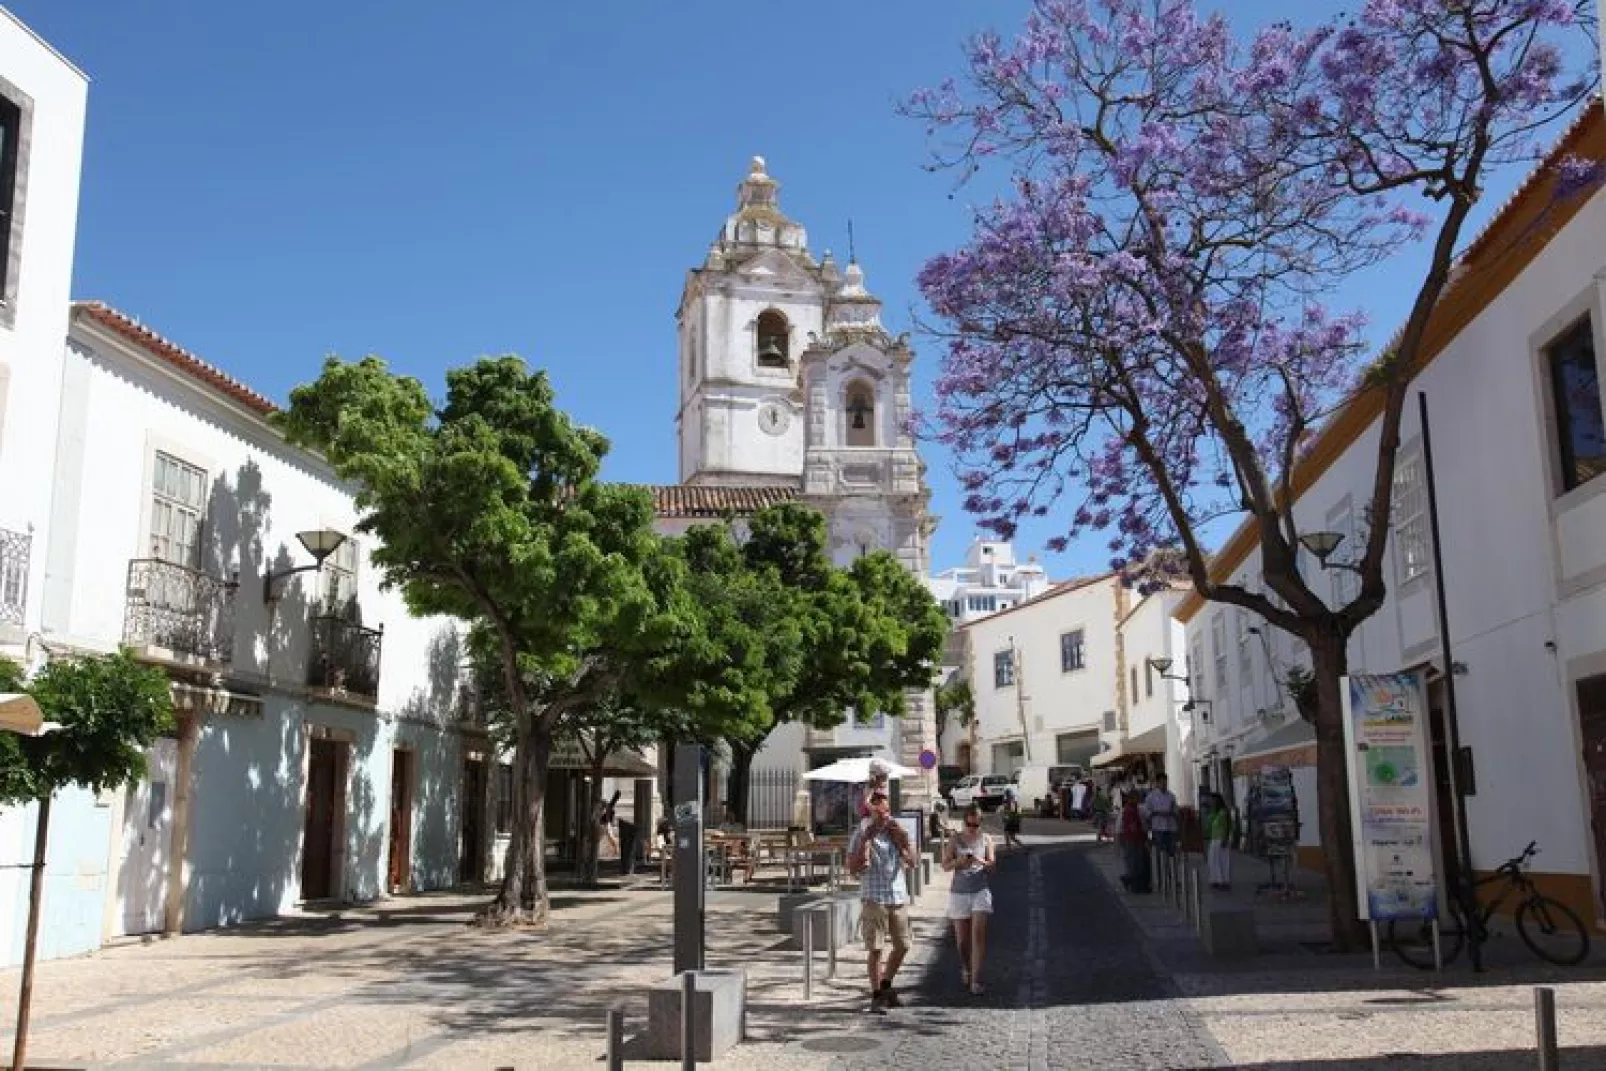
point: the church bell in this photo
(769, 352)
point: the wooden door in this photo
(401, 820)
(1592, 725)
(471, 858)
(147, 842)
(317, 859)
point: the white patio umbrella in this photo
(857, 771)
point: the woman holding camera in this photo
(969, 857)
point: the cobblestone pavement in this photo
(1069, 985)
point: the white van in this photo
(1036, 786)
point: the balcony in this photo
(344, 658)
(176, 614)
(15, 550)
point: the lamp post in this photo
(320, 543)
(1162, 666)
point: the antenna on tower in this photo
(853, 257)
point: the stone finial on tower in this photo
(758, 188)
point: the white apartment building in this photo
(990, 580)
(1157, 718)
(1518, 429)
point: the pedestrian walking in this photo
(878, 854)
(1160, 815)
(1218, 834)
(1134, 846)
(969, 857)
(1012, 819)
(1101, 815)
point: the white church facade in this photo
(792, 390)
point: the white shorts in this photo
(963, 905)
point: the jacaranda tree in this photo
(1135, 333)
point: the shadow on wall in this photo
(437, 852)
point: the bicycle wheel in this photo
(1412, 940)
(1553, 930)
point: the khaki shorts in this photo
(881, 921)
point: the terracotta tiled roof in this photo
(180, 358)
(681, 500)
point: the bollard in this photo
(1176, 881)
(808, 954)
(688, 1021)
(1190, 878)
(616, 1038)
(830, 945)
(1198, 903)
(1545, 1024)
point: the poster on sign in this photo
(1391, 796)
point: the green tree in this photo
(869, 633)
(100, 713)
(489, 509)
(954, 699)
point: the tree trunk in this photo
(36, 886)
(741, 777)
(1329, 662)
(590, 870)
(523, 899)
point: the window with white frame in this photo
(1218, 648)
(1410, 516)
(339, 580)
(1148, 678)
(1196, 664)
(1003, 668)
(178, 510)
(1073, 651)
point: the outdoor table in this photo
(799, 859)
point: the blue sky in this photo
(268, 184)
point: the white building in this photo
(791, 389)
(989, 581)
(1047, 677)
(42, 102)
(1512, 376)
(322, 752)
(1158, 720)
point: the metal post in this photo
(690, 862)
(616, 1038)
(688, 1021)
(1452, 719)
(1545, 1024)
(830, 941)
(1198, 904)
(808, 953)
(1377, 946)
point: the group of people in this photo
(1152, 817)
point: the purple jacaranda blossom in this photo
(1138, 326)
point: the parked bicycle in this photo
(1551, 929)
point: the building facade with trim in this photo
(1511, 372)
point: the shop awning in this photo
(20, 714)
(1149, 742)
(1293, 744)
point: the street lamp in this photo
(1163, 666)
(1322, 544)
(320, 543)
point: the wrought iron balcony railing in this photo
(183, 611)
(15, 550)
(344, 657)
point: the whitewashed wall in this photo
(1055, 701)
(249, 805)
(52, 95)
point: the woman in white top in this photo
(969, 857)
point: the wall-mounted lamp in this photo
(1193, 704)
(1322, 544)
(1163, 666)
(319, 543)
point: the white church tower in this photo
(791, 389)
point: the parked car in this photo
(984, 790)
(947, 778)
(1039, 786)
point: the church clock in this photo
(773, 418)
